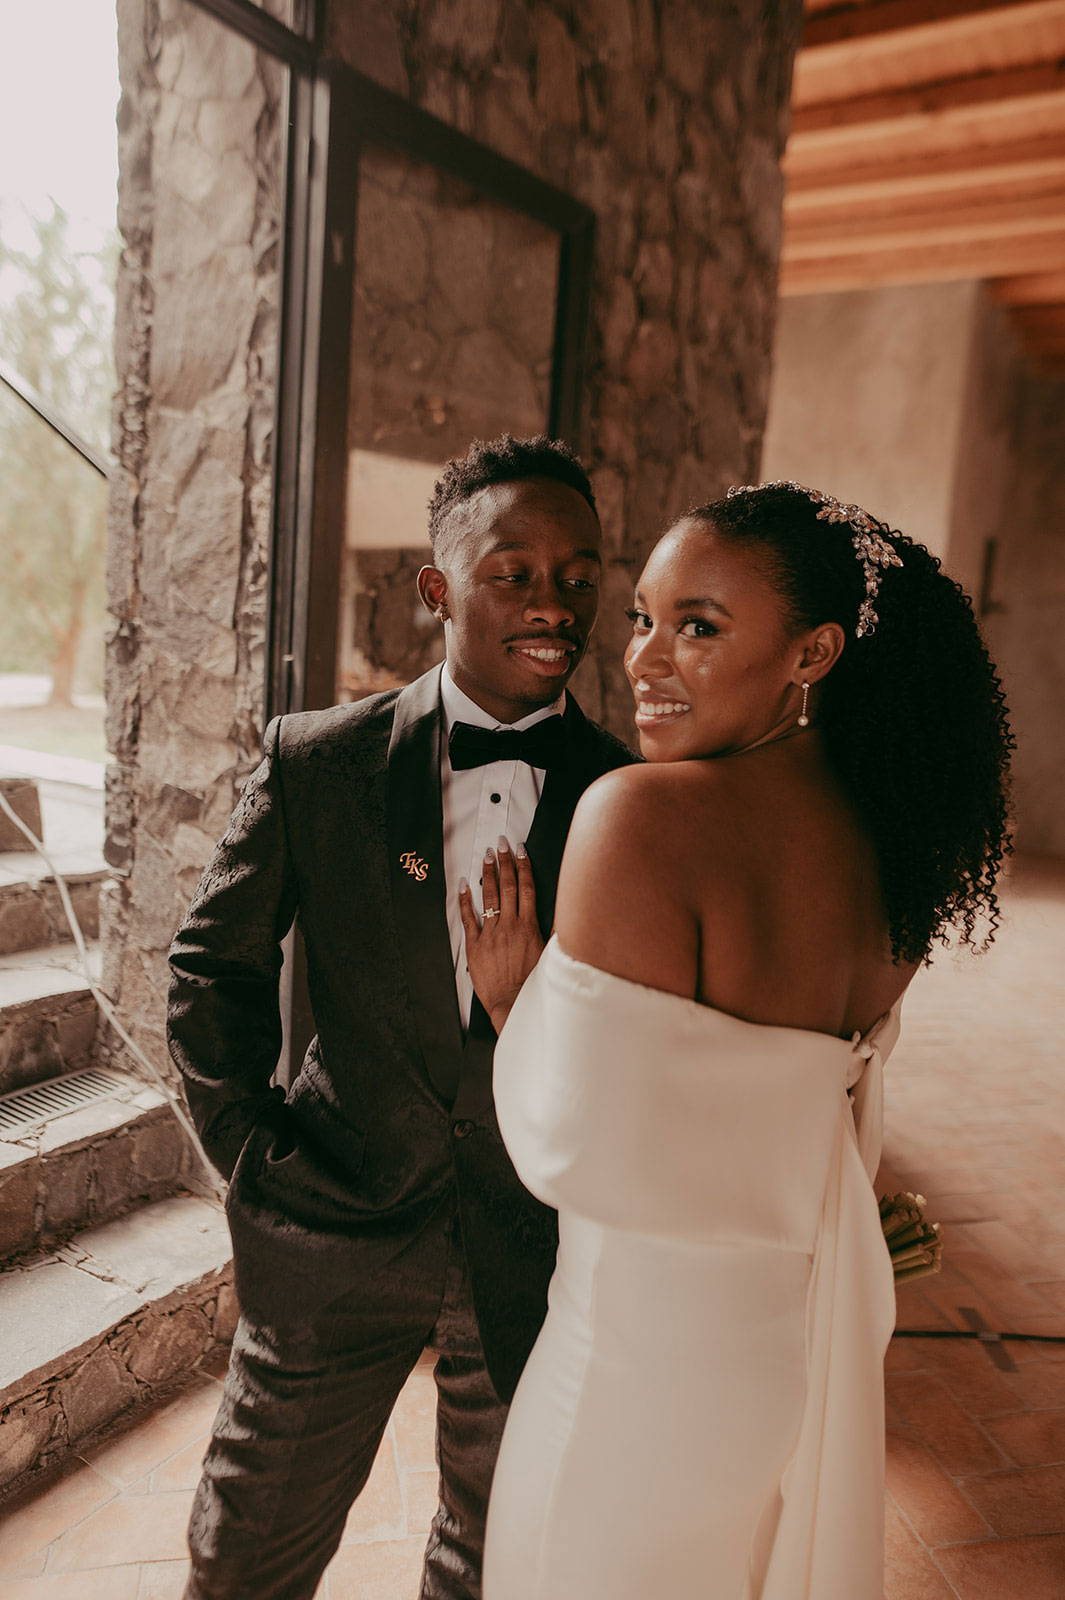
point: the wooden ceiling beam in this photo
(1015, 162)
(962, 139)
(1033, 289)
(995, 204)
(924, 263)
(901, 230)
(985, 213)
(906, 42)
(836, 37)
(983, 98)
(912, 159)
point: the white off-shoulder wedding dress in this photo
(702, 1415)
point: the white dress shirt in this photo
(479, 805)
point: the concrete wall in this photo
(985, 459)
(867, 400)
(1026, 629)
(918, 403)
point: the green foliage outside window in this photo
(56, 335)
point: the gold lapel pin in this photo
(411, 862)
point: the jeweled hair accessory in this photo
(872, 549)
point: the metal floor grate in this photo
(26, 1107)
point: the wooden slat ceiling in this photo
(928, 142)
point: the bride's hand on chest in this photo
(504, 946)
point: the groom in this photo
(375, 1212)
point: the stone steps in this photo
(111, 1284)
(24, 797)
(65, 1164)
(31, 912)
(47, 1016)
(118, 1313)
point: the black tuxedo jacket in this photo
(341, 826)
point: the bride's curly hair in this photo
(913, 716)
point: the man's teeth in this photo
(544, 654)
(665, 708)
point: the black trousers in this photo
(302, 1415)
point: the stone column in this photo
(196, 341)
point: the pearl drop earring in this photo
(804, 721)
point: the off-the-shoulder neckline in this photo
(698, 1008)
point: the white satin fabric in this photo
(702, 1415)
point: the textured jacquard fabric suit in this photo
(375, 1209)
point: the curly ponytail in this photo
(913, 716)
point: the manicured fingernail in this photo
(489, 854)
(520, 851)
(464, 887)
(504, 845)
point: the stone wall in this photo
(668, 119)
(199, 215)
(141, 1358)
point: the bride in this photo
(692, 1074)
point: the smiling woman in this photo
(691, 1073)
(722, 662)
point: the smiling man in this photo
(374, 1210)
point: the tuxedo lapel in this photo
(563, 787)
(416, 873)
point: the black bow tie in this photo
(542, 745)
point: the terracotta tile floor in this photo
(976, 1122)
(976, 1440)
(112, 1526)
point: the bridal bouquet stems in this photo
(914, 1245)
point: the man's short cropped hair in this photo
(503, 460)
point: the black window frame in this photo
(333, 113)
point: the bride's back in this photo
(787, 892)
(743, 882)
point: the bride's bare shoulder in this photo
(620, 807)
(623, 903)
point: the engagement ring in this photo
(492, 912)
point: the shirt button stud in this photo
(495, 798)
(462, 1129)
